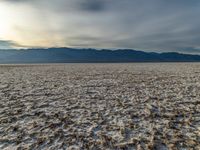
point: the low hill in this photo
(71, 55)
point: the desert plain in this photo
(130, 106)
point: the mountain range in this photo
(72, 55)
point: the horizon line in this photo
(97, 49)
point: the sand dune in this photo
(100, 106)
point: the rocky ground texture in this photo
(100, 106)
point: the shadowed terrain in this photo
(100, 106)
(72, 55)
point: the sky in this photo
(149, 25)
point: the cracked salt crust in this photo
(100, 106)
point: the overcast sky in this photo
(151, 25)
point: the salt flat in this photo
(100, 106)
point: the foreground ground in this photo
(100, 106)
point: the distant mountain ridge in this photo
(72, 55)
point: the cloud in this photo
(6, 44)
(157, 25)
(15, 1)
(192, 50)
(92, 5)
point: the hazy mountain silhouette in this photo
(71, 55)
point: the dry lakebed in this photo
(130, 106)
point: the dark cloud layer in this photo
(159, 25)
(6, 44)
(16, 1)
(92, 5)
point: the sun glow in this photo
(23, 27)
(12, 21)
(5, 21)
